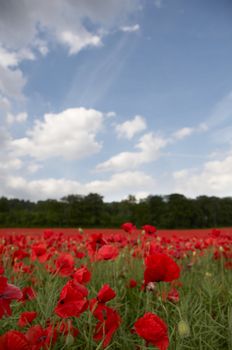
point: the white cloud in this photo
(4, 104)
(11, 82)
(113, 188)
(18, 118)
(149, 147)
(182, 133)
(21, 22)
(131, 127)
(77, 42)
(30, 26)
(221, 113)
(70, 134)
(214, 178)
(130, 29)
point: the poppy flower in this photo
(39, 251)
(107, 252)
(160, 267)
(26, 318)
(14, 340)
(82, 275)
(154, 330)
(65, 265)
(149, 229)
(72, 301)
(108, 321)
(173, 295)
(39, 337)
(132, 283)
(28, 293)
(8, 292)
(105, 294)
(128, 227)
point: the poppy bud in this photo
(183, 329)
(69, 340)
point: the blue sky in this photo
(119, 97)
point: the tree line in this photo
(169, 211)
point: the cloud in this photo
(214, 178)
(113, 188)
(77, 42)
(221, 113)
(149, 147)
(18, 118)
(130, 29)
(131, 127)
(22, 22)
(182, 133)
(29, 27)
(12, 83)
(70, 134)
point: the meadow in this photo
(115, 289)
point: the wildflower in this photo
(65, 265)
(154, 330)
(82, 275)
(105, 294)
(128, 227)
(14, 340)
(160, 267)
(107, 252)
(72, 301)
(149, 229)
(8, 292)
(39, 337)
(26, 318)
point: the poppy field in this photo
(129, 289)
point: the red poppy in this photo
(160, 267)
(128, 227)
(26, 318)
(72, 301)
(28, 294)
(39, 337)
(149, 229)
(82, 275)
(39, 251)
(65, 265)
(14, 340)
(107, 252)
(108, 321)
(132, 283)
(173, 295)
(96, 241)
(8, 292)
(105, 294)
(154, 330)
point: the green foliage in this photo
(172, 211)
(205, 305)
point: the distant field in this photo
(105, 231)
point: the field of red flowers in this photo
(115, 289)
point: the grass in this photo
(205, 303)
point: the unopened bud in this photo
(69, 340)
(183, 329)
